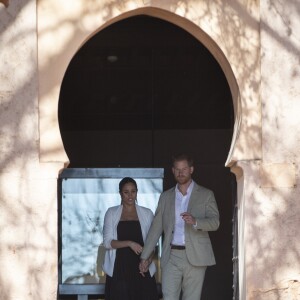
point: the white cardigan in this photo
(111, 220)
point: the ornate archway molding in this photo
(233, 41)
(51, 146)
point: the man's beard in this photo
(182, 179)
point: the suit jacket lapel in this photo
(171, 208)
(193, 197)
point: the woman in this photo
(124, 232)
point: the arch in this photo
(209, 43)
(204, 39)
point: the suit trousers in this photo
(178, 274)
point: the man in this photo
(185, 214)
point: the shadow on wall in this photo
(19, 217)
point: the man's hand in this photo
(188, 218)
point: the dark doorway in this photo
(141, 90)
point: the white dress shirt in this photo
(181, 205)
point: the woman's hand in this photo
(135, 247)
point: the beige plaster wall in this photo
(268, 235)
(270, 206)
(257, 44)
(28, 214)
(269, 188)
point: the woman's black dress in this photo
(127, 283)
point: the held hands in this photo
(144, 266)
(135, 247)
(144, 263)
(188, 218)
